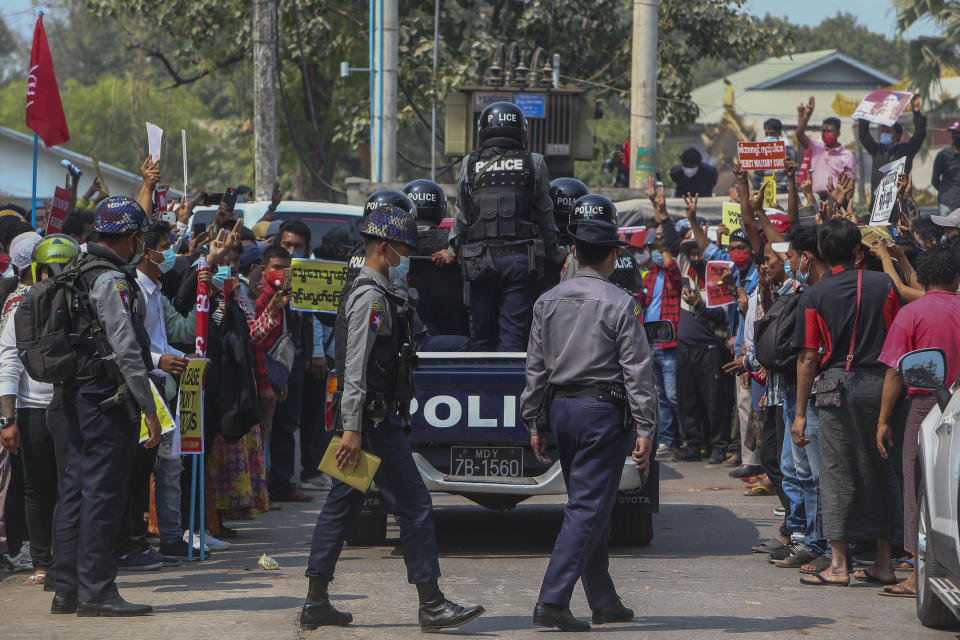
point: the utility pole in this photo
(264, 97)
(391, 28)
(643, 93)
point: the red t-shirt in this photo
(933, 321)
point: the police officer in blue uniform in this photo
(374, 389)
(102, 404)
(590, 388)
(503, 229)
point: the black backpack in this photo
(48, 323)
(232, 406)
(773, 335)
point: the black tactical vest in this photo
(383, 367)
(626, 275)
(500, 184)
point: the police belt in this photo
(508, 249)
(603, 391)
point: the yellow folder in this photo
(359, 478)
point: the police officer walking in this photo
(374, 389)
(103, 402)
(503, 229)
(588, 369)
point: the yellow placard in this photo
(316, 284)
(770, 193)
(190, 407)
(732, 219)
(166, 420)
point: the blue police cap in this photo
(121, 215)
(598, 232)
(391, 223)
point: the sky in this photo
(877, 15)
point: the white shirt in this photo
(154, 323)
(14, 380)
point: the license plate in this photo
(496, 462)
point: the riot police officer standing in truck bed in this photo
(503, 229)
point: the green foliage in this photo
(930, 56)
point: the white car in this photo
(938, 474)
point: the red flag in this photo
(44, 109)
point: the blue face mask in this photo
(788, 269)
(400, 271)
(169, 258)
(296, 254)
(800, 276)
(771, 139)
(657, 257)
(886, 138)
(221, 276)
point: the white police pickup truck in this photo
(937, 563)
(468, 440)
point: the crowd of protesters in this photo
(250, 423)
(823, 308)
(794, 384)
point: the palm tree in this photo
(929, 56)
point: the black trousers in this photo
(313, 432)
(703, 397)
(771, 446)
(14, 515)
(100, 457)
(43, 446)
(133, 527)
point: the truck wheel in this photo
(930, 609)
(630, 527)
(370, 527)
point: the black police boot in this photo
(317, 610)
(63, 604)
(613, 613)
(555, 615)
(436, 612)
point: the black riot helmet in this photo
(429, 198)
(391, 197)
(565, 192)
(594, 206)
(502, 120)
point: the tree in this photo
(929, 56)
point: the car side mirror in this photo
(659, 331)
(926, 369)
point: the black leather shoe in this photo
(443, 614)
(116, 607)
(317, 610)
(613, 613)
(63, 604)
(552, 615)
(686, 454)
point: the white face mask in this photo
(690, 172)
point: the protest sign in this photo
(803, 171)
(103, 183)
(190, 407)
(885, 197)
(883, 107)
(770, 193)
(154, 135)
(58, 210)
(316, 284)
(167, 423)
(717, 293)
(732, 219)
(763, 156)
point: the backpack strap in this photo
(856, 321)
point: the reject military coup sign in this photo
(315, 285)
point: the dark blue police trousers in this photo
(405, 495)
(100, 456)
(592, 444)
(502, 307)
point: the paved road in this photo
(698, 578)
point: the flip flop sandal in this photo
(906, 565)
(759, 490)
(771, 545)
(817, 580)
(37, 578)
(897, 591)
(796, 560)
(865, 576)
(818, 565)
